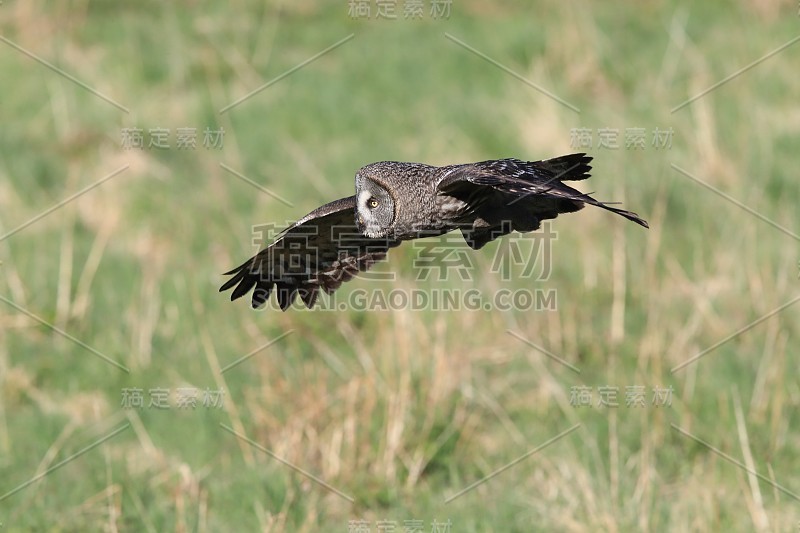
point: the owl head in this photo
(375, 204)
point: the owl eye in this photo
(372, 203)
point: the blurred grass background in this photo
(398, 409)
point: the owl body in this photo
(398, 200)
(407, 201)
(395, 202)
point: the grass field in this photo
(360, 420)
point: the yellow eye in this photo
(372, 203)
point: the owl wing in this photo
(322, 250)
(506, 194)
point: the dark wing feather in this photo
(508, 194)
(320, 251)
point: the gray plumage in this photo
(397, 201)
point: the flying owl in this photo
(396, 202)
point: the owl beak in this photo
(360, 221)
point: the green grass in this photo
(398, 410)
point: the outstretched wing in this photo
(322, 250)
(508, 194)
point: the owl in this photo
(396, 202)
